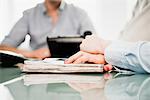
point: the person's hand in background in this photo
(83, 57)
(94, 44)
(37, 54)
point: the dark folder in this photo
(64, 47)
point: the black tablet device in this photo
(64, 47)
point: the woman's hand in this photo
(94, 44)
(38, 54)
(82, 57)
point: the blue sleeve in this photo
(18, 32)
(133, 56)
(86, 23)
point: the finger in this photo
(97, 58)
(43, 55)
(92, 58)
(108, 67)
(73, 58)
(81, 59)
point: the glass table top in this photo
(15, 85)
(8, 73)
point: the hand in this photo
(94, 44)
(38, 54)
(82, 57)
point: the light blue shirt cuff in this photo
(124, 55)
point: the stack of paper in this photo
(58, 66)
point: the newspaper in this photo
(53, 65)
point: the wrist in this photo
(105, 44)
(26, 54)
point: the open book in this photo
(54, 65)
(10, 58)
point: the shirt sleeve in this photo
(18, 32)
(86, 24)
(133, 56)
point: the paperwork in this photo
(56, 65)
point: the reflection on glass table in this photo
(50, 87)
(5, 93)
(136, 87)
(8, 73)
(15, 85)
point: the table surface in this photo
(15, 85)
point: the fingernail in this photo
(106, 68)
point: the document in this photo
(11, 58)
(56, 65)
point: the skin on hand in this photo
(38, 54)
(92, 50)
(94, 44)
(82, 57)
(108, 67)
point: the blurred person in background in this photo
(52, 18)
